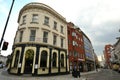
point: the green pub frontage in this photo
(38, 59)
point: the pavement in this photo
(5, 76)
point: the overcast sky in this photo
(98, 19)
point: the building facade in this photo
(75, 47)
(3, 59)
(40, 44)
(117, 51)
(115, 54)
(107, 55)
(89, 54)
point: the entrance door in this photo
(29, 55)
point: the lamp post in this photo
(6, 23)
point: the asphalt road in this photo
(104, 74)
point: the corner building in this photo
(40, 44)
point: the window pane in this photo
(54, 62)
(16, 58)
(21, 35)
(46, 21)
(61, 29)
(62, 60)
(32, 35)
(55, 25)
(61, 42)
(54, 39)
(45, 36)
(24, 19)
(35, 18)
(43, 61)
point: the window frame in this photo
(46, 21)
(35, 18)
(24, 19)
(54, 39)
(21, 36)
(32, 37)
(43, 59)
(62, 29)
(55, 25)
(62, 42)
(54, 60)
(45, 37)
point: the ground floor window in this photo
(43, 61)
(54, 60)
(16, 58)
(62, 60)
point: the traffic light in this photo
(5, 46)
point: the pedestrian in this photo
(79, 71)
(74, 72)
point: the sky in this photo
(98, 19)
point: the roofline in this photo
(36, 5)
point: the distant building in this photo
(40, 44)
(116, 52)
(3, 59)
(75, 47)
(107, 55)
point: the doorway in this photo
(29, 56)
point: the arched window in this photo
(43, 61)
(54, 62)
(29, 55)
(62, 60)
(16, 58)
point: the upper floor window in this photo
(24, 19)
(62, 42)
(46, 21)
(21, 35)
(45, 36)
(68, 32)
(32, 35)
(55, 25)
(35, 18)
(75, 54)
(61, 29)
(54, 39)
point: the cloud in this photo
(99, 19)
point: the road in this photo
(104, 74)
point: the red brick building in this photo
(75, 47)
(107, 55)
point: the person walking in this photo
(74, 72)
(79, 71)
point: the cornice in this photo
(43, 7)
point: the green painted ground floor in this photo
(38, 59)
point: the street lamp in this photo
(6, 23)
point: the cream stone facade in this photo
(40, 44)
